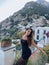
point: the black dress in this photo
(26, 52)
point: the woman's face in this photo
(28, 32)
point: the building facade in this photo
(40, 35)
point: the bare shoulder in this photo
(24, 37)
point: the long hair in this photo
(30, 37)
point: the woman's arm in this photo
(33, 43)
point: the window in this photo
(37, 37)
(44, 31)
(37, 31)
(44, 37)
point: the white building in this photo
(40, 35)
(7, 55)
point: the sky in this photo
(8, 7)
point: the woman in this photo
(26, 41)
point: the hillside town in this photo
(34, 15)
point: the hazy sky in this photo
(8, 7)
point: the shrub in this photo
(18, 47)
(18, 54)
(38, 59)
(6, 42)
(5, 39)
(46, 49)
(21, 33)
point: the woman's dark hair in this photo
(30, 37)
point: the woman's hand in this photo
(44, 52)
(33, 43)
